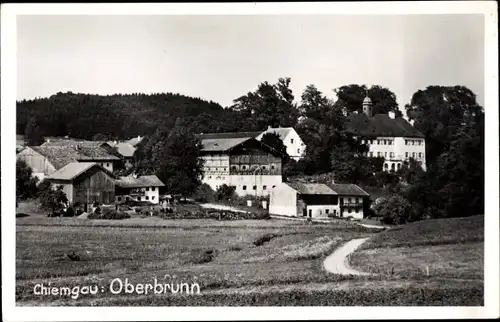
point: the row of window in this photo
(414, 142)
(379, 141)
(291, 141)
(414, 155)
(244, 188)
(138, 198)
(105, 164)
(235, 167)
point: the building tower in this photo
(367, 106)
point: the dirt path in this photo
(338, 261)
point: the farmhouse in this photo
(317, 200)
(295, 147)
(46, 159)
(240, 161)
(85, 183)
(387, 136)
(125, 150)
(138, 188)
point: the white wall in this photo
(263, 183)
(295, 147)
(151, 194)
(283, 201)
(319, 211)
(398, 151)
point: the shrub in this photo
(109, 214)
(25, 182)
(394, 210)
(225, 192)
(215, 214)
(204, 193)
(70, 212)
(54, 200)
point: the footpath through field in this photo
(338, 261)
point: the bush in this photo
(215, 214)
(70, 212)
(109, 214)
(204, 193)
(225, 192)
(394, 210)
(54, 200)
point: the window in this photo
(379, 154)
(327, 211)
(298, 150)
(147, 197)
(272, 167)
(264, 167)
(153, 198)
(138, 198)
(349, 200)
(385, 142)
(390, 142)
(371, 154)
(119, 198)
(349, 210)
(225, 169)
(406, 154)
(244, 167)
(420, 155)
(385, 154)
(107, 164)
(209, 177)
(254, 187)
(291, 141)
(216, 169)
(244, 187)
(147, 189)
(274, 187)
(406, 142)
(233, 167)
(392, 154)
(152, 188)
(378, 142)
(413, 155)
(264, 187)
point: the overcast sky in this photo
(220, 58)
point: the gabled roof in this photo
(139, 182)
(228, 135)
(82, 143)
(135, 141)
(311, 188)
(347, 189)
(60, 155)
(125, 149)
(221, 145)
(380, 125)
(281, 131)
(75, 169)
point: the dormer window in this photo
(291, 141)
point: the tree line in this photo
(449, 117)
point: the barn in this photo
(85, 183)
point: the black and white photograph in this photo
(329, 158)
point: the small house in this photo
(138, 188)
(317, 200)
(85, 183)
(295, 147)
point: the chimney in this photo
(392, 115)
(269, 127)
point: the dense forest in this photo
(449, 117)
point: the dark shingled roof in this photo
(60, 155)
(311, 188)
(229, 135)
(380, 125)
(139, 182)
(347, 189)
(75, 169)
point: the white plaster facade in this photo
(396, 150)
(295, 147)
(256, 185)
(150, 194)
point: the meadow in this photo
(241, 262)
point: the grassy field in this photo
(242, 262)
(439, 248)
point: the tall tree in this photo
(32, 133)
(25, 183)
(350, 98)
(175, 159)
(438, 112)
(274, 141)
(270, 105)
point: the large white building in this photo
(387, 136)
(295, 147)
(240, 161)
